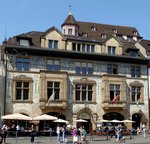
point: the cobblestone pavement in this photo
(96, 140)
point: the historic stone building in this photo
(77, 72)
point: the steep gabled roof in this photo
(51, 29)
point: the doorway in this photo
(136, 117)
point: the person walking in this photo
(63, 133)
(3, 133)
(144, 129)
(32, 134)
(83, 135)
(58, 133)
(74, 134)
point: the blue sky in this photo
(21, 16)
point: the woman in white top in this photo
(58, 133)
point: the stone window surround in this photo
(85, 81)
(137, 84)
(23, 78)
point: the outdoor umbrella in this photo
(16, 116)
(81, 120)
(115, 121)
(45, 117)
(128, 121)
(61, 121)
(103, 120)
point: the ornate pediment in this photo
(136, 84)
(23, 77)
(84, 80)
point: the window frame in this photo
(83, 68)
(53, 66)
(54, 90)
(112, 68)
(114, 90)
(52, 44)
(111, 50)
(23, 63)
(135, 71)
(23, 79)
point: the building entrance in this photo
(87, 125)
(136, 117)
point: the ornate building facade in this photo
(77, 72)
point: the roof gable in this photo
(50, 30)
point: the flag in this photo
(51, 98)
(115, 100)
(138, 102)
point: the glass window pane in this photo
(78, 69)
(56, 97)
(78, 86)
(55, 44)
(89, 95)
(50, 44)
(90, 87)
(83, 47)
(88, 48)
(19, 84)
(83, 95)
(18, 94)
(26, 84)
(77, 95)
(56, 84)
(25, 94)
(92, 48)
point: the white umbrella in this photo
(115, 121)
(103, 120)
(81, 120)
(45, 117)
(16, 116)
(61, 121)
(128, 121)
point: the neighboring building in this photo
(2, 82)
(82, 69)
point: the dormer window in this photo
(114, 31)
(133, 53)
(135, 33)
(24, 42)
(53, 44)
(85, 35)
(93, 28)
(130, 39)
(103, 36)
(111, 50)
(124, 37)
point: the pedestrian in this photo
(58, 133)
(119, 133)
(18, 129)
(63, 133)
(74, 134)
(32, 133)
(83, 134)
(3, 133)
(144, 129)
